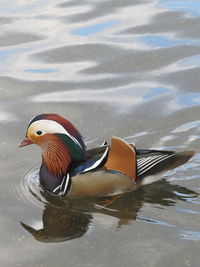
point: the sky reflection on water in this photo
(90, 30)
(156, 41)
(123, 68)
(191, 8)
(40, 70)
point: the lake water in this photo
(114, 68)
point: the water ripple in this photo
(28, 188)
(122, 68)
(190, 235)
(162, 223)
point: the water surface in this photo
(122, 68)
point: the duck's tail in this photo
(152, 162)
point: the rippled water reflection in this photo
(123, 68)
(63, 220)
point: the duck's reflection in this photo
(60, 224)
(64, 221)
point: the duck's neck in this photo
(55, 162)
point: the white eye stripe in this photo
(50, 126)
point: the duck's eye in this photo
(39, 132)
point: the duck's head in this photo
(60, 141)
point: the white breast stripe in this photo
(63, 181)
(59, 187)
(55, 189)
(153, 164)
(97, 163)
(66, 184)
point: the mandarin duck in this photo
(68, 169)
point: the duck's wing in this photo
(95, 159)
(151, 162)
(97, 151)
(119, 157)
(122, 158)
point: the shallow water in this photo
(123, 68)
